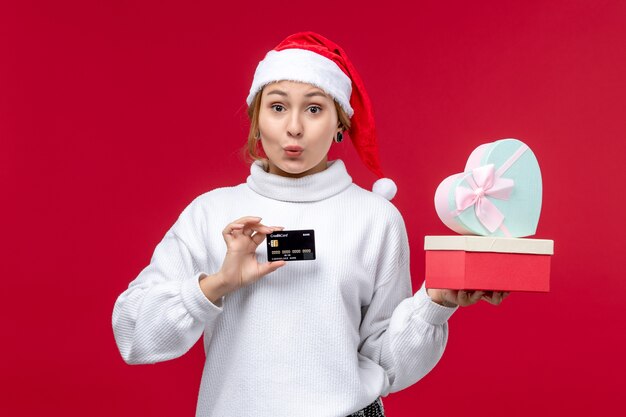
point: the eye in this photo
(315, 109)
(277, 108)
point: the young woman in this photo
(323, 337)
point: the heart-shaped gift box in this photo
(498, 194)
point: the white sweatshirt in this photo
(321, 337)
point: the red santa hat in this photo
(311, 58)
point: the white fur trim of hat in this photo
(303, 66)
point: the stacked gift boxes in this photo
(495, 205)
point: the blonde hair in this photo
(252, 150)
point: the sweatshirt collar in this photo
(319, 186)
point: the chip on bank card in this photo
(291, 245)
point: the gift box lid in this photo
(490, 244)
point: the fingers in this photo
(239, 224)
(246, 226)
(467, 298)
(230, 228)
(260, 236)
(476, 296)
(497, 297)
(260, 228)
(270, 267)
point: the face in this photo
(297, 123)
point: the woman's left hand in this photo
(464, 298)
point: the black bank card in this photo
(291, 245)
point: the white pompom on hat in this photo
(311, 58)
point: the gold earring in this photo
(339, 137)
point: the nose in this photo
(295, 127)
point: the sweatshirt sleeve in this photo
(163, 312)
(405, 333)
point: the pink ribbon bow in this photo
(485, 183)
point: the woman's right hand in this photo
(240, 267)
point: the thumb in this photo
(270, 267)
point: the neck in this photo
(330, 181)
(274, 169)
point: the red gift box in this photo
(488, 263)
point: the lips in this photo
(293, 151)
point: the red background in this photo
(115, 115)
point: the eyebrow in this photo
(282, 93)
